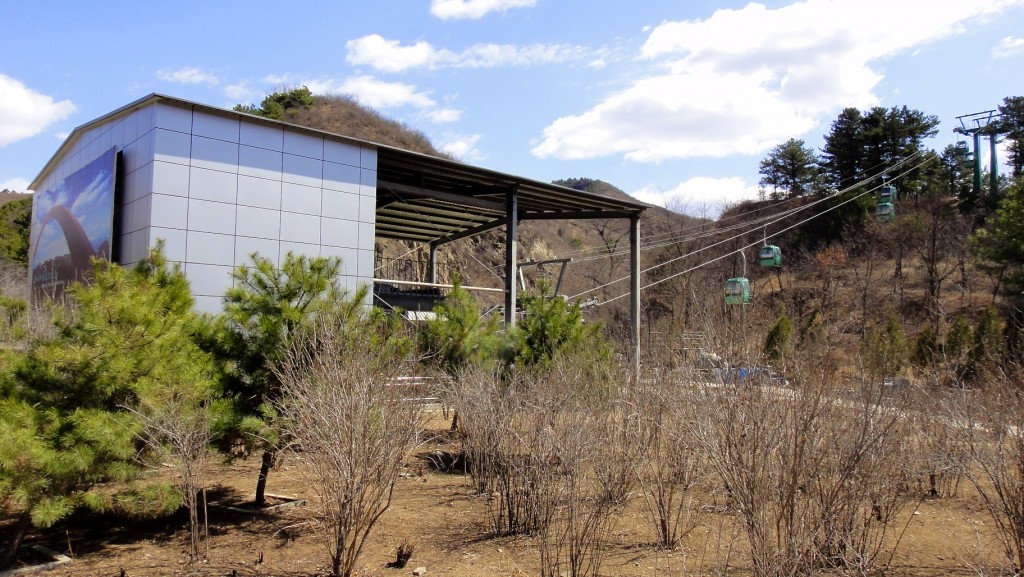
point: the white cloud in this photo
(391, 56)
(741, 81)
(25, 113)
(17, 184)
(700, 196)
(373, 92)
(278, 79)
(474, 9)
(378, 94)
(462, 146)
(1009, 46)
(240, 92)
(677, 116)
(444, 115)
(388, 55)
(187, 76)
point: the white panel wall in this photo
(216, 188)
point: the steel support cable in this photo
(743, 248)
(705, 224)
(754, 223)
(707, 234)
(661, 240)
(712, 232)
(760, 222)
(655, 238)
(403, 255)
(752, 227)
(777, 216)
(656, 241)
(758, 225)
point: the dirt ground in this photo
(448, 525)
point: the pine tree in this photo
(926, 348)
(264, 310)
(842, 154)
(279, 105)
(884, 349)
(552, 325)
(1012, 124)
(459, 336)
(1000, 244)
(68, 418)
(986, 350)
(789, 168)
(778, 345)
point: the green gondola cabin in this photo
(887, 194)
(885, 212)
(964, 155)
(770, 255)
(737, 291)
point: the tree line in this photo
(860, 144)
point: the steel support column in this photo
(432, 264)
(511, 257)
(977, 164)
(634, 287)
(993, 171)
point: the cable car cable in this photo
(659, 281)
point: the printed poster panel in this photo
(72, 223)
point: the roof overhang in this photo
(435, 200)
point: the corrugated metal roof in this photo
(429, 199)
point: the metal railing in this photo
(411, 270)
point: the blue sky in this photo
(674, 102)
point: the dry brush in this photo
(351, 429)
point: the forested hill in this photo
(341, 115)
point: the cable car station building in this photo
(217, 185)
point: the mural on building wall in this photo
(72, 223)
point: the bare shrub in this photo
(988, 428)
(544, 445)
(14, 280)
(510, 449)
(577, 409)
(350, 426)
(934, 447)
(403, 554)
(814, 471)
(487, 405)
(577, 510)
(177, 424)
(672, 465)
(20, 322)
